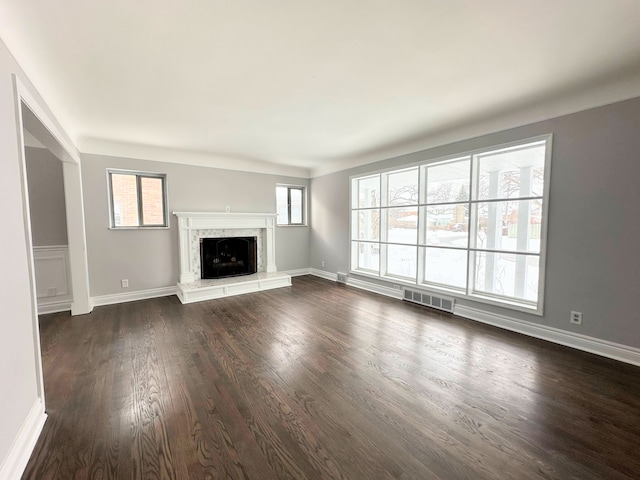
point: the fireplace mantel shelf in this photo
(192, 226)
(225, 218)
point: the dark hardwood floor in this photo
(320, 380)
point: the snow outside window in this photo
(473, 225)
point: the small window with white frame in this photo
(291, 205)
(137, 199)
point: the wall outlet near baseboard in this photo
(124, 283)
(322, 263)
(576, 318)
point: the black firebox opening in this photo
(228, 257)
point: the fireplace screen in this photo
(228, 257)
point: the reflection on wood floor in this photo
(324, 381)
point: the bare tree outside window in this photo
(474, 222)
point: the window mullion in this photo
(139, 197)
(473, 222)
(421, 224)
(289, 205)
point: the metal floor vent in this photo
(429, 300)
(342, 278)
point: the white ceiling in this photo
(312, 86)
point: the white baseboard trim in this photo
(361, 284)
(298, 272)
(615, 351)
(375, 288)
(593, 345)
(603, 348)
(133, 296)
(54, 307)
(323, 274)
(22, 447)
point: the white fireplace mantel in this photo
(195, 225)
(190, 222)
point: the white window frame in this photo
(139, 175)
(534, 307)
(303, 190)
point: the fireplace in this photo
(195, 284)
(228, 257)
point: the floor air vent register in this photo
(429, 300)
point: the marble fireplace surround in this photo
(196, 225)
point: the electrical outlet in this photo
(576, 318)
(227, 208)
(322, 263)
(124, 283)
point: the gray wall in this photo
(46, 197)
(149, 258)
(593, 257)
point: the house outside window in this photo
(291, 205)
(137, 199)
(473, 225)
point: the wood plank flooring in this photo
(323, 381)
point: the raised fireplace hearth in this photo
(196, 280)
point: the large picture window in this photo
(473, 225)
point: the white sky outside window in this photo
(296, 205)
(282, 205)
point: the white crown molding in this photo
(22, 447)
(186, 157)
(564, 103)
